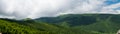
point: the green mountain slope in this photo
(72, 19)
(8, 26)
(99, 23)
(63, 24)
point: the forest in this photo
(63, 24)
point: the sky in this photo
(21, 9)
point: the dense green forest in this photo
(8, 26)
(63, 24)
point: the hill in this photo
(103, 23)
(10, 26)
(63, 24)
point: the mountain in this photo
(77, 19)
(63, 24)
(72, 19)
(100, 23)
(11, 26)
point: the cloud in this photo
(31, 8)
(111, 9)
(21, 9)
(87, 6)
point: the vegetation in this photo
(8, 26)
(95, 23)
(64, 24)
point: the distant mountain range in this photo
(80, 19)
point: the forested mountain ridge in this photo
(63, 24)
(105, 23)
(80, 19)
(11, 26)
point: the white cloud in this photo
(87, 6)
(111, 9)
(31, 8)
(40, 8)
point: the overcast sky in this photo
(21, 9)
